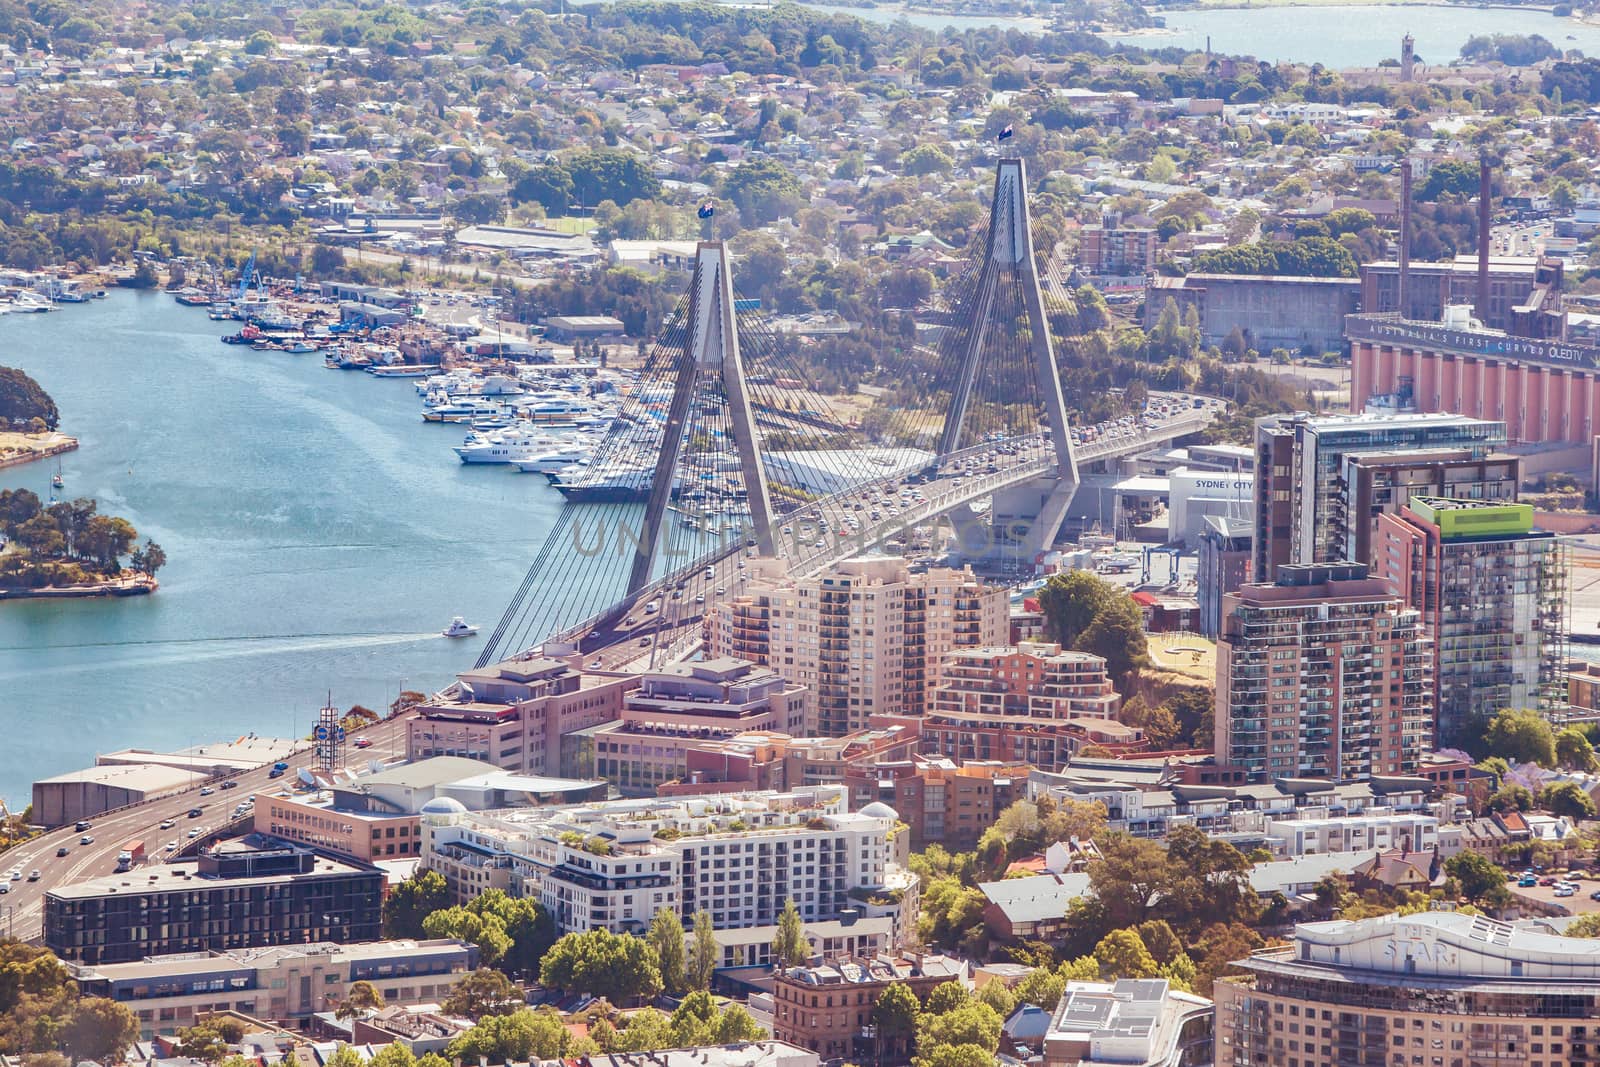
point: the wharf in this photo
(19, 448)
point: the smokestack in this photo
(1483, 239)
(1403, 286)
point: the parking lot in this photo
(1577, 904)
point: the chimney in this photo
(1402, 287)
(1483, 239)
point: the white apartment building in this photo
(865, 637)
(1379, 830)
(738, 857)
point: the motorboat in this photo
(459, 627)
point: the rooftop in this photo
(180, 876)
(197, 963)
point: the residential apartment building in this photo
(1493, 596)
(1300, 488)
(515, 713)
(1117, 251)
(739, 857)
(1223, 565)
(1140, 1021)
(756, 761)
(1324, 673)
(864, 638)
(943, 802)
(1383, 483)
(1437, 987)
(225, 900)
(284, 984)
(679, 707)
(828, 1008)
(1017, 704)
(1378, 829)
(376, 816)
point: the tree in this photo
(1117, 636)
(1521, 736)
(618, 967)
(483, 992)
(1121, 954)
(946, 997)
(666, 937)
(362, 999)
(973, 1023)
(736, 1025)
(895, 1016)
(489, 934)
(956, 1056)
(705, 953)
(926, 159)
(790, 947)
(22, 400)
(522, 1035)
(1511, 798)
(647, 1030)
(998, 997)
(393, 1054)
(1573, 750)
(1568, 799)
(1070, 602)
(1477, 875)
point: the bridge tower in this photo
(713, 366)
(1027, 517)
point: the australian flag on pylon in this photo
(1005, 133)
(707, 209)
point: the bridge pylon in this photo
(713, 365)
(1006, 298)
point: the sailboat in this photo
(56, 481)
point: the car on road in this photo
(206, 791)
(167, 824)
(83, 824)
(5, 887)
(170, 846)
(1566, 890)
(194, 833)
(33, 875)
(362, 742)
(195, 813)
(230, 784)
(1547, 881)
(86, 840)
(274, 773)
(62, 851)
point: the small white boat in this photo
(459, 627)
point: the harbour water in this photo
(319, 536)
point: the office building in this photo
(375, 817)
(225, 900)
(1300, 486)
(1222, 566)
(1140, 1021)
(1017, 704)
(1437, 987)
(828, 1008)
(514, 715)
(1493, 596)
(942, 802)
(1325, 673)
(285, 984)
(1283, 311)
(1382, 483)
(677, 708)
(739, 857)
(864, 638)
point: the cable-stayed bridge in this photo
(724, 450)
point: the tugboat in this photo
(459, 627)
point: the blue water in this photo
(319, 535)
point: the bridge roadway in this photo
(22, 905)
(835, 527)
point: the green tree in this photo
(667, 938)
(705, 953)
(1117, 636)
(1511, 798)
(22, 400)
(522, 1035)
(487, 932)
(618, 967)
(946, 997)
(956, 1056)
(393, 1054)
(1566, 798)
(1522, 736)
(736, 1025)
(1477, 875)
(1121, 954)
(362, 999)
(483, 992)
(973, 1023)
(1070, 602)
(1573, 750)
(789, 946)
(895, 1016)
(647, 1030)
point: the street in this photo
(22, 905)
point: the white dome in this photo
(879, 810)
(443, 806)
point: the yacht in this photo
(513, 445)
(461, 411)
(557, 409)
(555, 460)
(459, 627)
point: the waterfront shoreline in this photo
(33, 455)
(111, 588)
